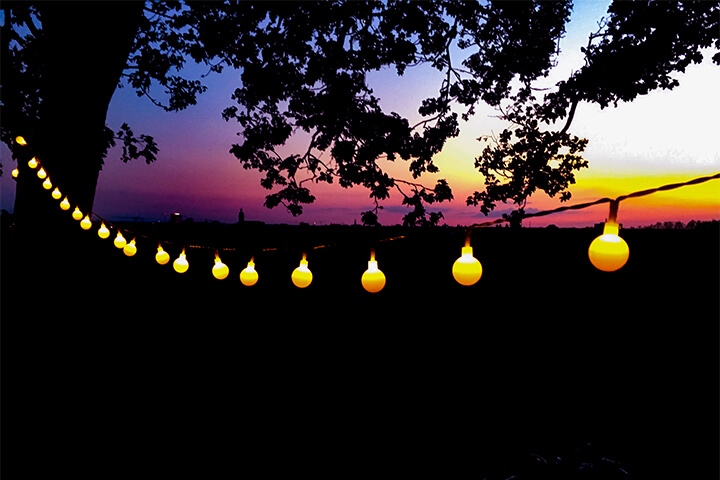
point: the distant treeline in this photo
(691, 225)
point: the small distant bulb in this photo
(103, 231)
(130, 249)
(467, 269)
(302, 276)
(86, 223)
(33, 163)
(56, 194)
(20, 140)
(180, 264)
(65, 204)
(609, 252)
(373, 280)
(15, 173)
(220, 270)
(249, 276)
(77, 214)
(162, 257)
(41, 173)
(120, 241)
(47, 184)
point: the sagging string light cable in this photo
(608, 252)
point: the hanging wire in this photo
(580, 206)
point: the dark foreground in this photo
(115, 364)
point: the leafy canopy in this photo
(304, 69)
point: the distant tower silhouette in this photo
(241, 216)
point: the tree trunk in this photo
(84, 51)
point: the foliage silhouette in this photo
(304, 69)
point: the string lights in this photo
(467, 269)
(608, 252)
(249, 275)
(302, 276)
(373, 280)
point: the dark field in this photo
(116, 364)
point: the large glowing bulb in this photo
(15, 173)
(47, 184)
(249, 276)
(20, 140)
(467, 270)
(65, 204)
(77, 214)
(609, 252)
(373, 280)
(302, 276)
(162, 257)
(120, 241)
(180, 264)
(56, 194)
(33, 163)
(220, 270)
(41, 173)
(130, 249)
(103, 231)
(86, 223)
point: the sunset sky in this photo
(663, 137)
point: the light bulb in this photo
(86, 223)
(103, 231)
(56, 194)
(15, 173)
(65, 204)
(180, 264)
(77, 214)
(47, 184)
(609, 252)
(249, 276)
(41, 173)
(302, 276)
(20, 140)
(130, 249)
(373, 280)
(467, 270)
(162, 257)
(220, 270)
(119, 241)
(33, 163)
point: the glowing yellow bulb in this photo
(249, 276)
(130, 249)
(33, 163)
(47, 184)
(302, 276)
(86, 223)
(180, 264)
(609, 252)
(162, 257)
(120, 241)
(15, 173)
(373, 280)
(65, 204)
(103, 231)
(41, 173)
(20, 140)
(77, 214)
(220, 270)
(56, 194)
(467, 270)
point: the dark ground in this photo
(115, 364)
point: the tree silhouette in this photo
(304, 69)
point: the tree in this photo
(304, 67)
